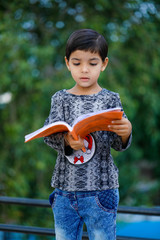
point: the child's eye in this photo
(93, 64)
(76, 64)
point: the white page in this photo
(93, 113)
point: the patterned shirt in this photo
(100, 172)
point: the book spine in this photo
(76, 139)
(74, 135)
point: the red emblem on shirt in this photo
(80, 157)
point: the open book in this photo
(85, 124)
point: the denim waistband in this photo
(79, 194)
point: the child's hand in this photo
(75, 144)
(122, 127)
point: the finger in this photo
(80, 139)
(122, 121)
(117, 127)
(121, 131)
(69, 135)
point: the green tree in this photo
(33, 35)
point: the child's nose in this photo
(84, 68)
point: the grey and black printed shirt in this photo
(99, 173)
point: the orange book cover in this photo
(85, 124)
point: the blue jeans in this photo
(97, 209)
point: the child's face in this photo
(85, 67)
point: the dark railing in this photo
(50, 232)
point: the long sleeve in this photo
(115, 140)
(56, 141)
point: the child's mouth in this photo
(84, 79)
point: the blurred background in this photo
(33, 35)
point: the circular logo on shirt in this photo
(79, 157)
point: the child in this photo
(86, 183)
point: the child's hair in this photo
(87, 40)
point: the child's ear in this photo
(67, 63)
(105, 63)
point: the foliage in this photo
(33, 35)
